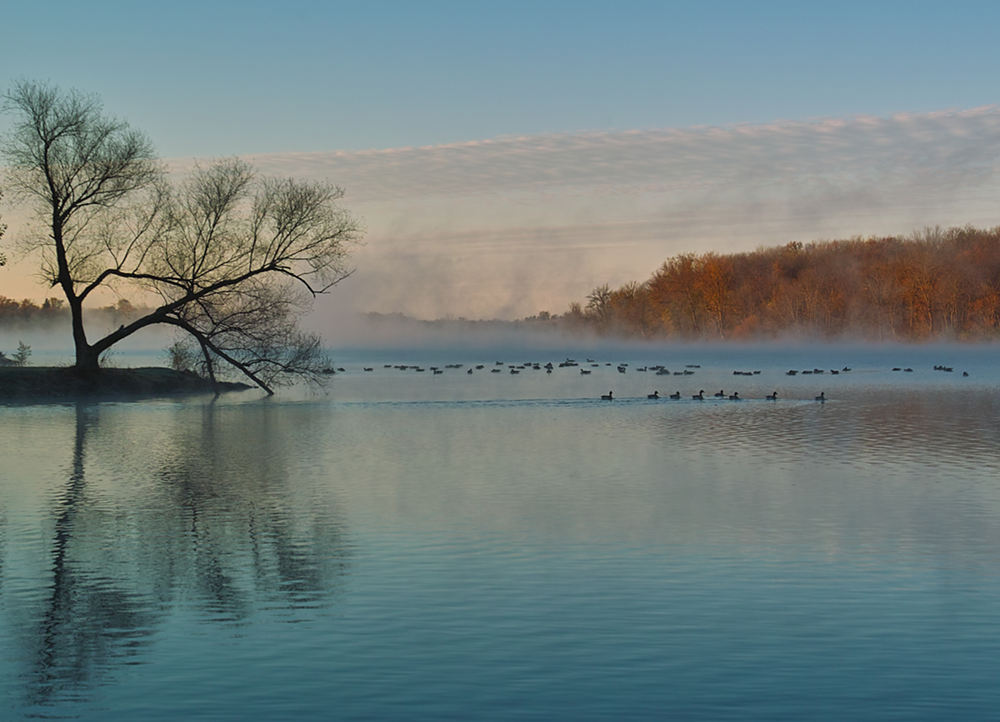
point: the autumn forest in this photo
(935, 284)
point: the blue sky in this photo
(508, 157)
(233, 77)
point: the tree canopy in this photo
(231, 258)
(937, 283)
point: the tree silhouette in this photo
(232, 258)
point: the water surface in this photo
(494, 546)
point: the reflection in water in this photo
(866, 475)
(199, 523)
(542, 557)
(88, 620)
(872, 427)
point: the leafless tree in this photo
(232, 258)
(78, 166)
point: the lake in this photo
(409, 545)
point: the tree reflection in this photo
(88, 620)
(198, 522)
(242, 535)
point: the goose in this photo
(610, 396)
(735, 396)
(822, 396)
(720, 394)
(676, 395)
(772, 397)
(654, 395)
(700, 396)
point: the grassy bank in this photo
(49, 383)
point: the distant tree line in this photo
(930, 285)
(26, 312)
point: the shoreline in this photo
(28, 384)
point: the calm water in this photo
(495, 546)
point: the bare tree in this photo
(232, 258)
(78, 165)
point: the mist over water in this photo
(511, 226)
(508, 227)
(410, 545)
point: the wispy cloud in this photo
(513, 225)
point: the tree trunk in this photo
(87, 358)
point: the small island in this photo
(57, 383)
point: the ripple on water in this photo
(534, 558)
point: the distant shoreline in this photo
(29, 384)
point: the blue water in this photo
(497, 546)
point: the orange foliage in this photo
(933, 284)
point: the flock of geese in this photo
(700, 396)
(658, 370)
